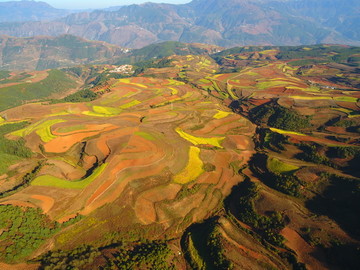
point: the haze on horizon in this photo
(93, 4)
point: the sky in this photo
(86, 4)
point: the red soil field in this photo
(46, 202)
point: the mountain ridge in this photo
(236, 23)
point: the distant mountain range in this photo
(224, 23)
(23, 11)
(53, 52)
(39, 53)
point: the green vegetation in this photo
(203, 248)
(56, 82)
(344, 152)
(243, 199)
(286, 183)
(4, 74)
(273, 140)
(311, 153)
(42, 128)
(145, 135)
(52, 181)
(339, 200)
(152, 255)
(68, 129)
(11, 150)
(23, 231)
(277, 166)
(69, 259)
(278, 117)
(85, 95)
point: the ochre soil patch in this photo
(46, 202)
(302, 249)
(64, 143)
(18, 203)
(22, 266)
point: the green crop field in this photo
(52, 181)
(43, 129)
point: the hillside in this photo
(237, 23)
(24, 11)
(39, 53)
(243, 160)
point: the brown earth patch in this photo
(46, 202)
(302, 249)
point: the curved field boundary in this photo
(221, 114)
(193, 169)
(52, 181)
(46, 202)
(215, 141)
(106, 110)
(43, 129)
(63, 143)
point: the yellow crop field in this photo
(193, 169)
(286, 132)
(90, 113)
(175, 82)
(174, 91)
(4, 122)
(43, 129)
(128, 81)
(130, 104)
(215, 141)
(310, 98)
(346, 99)
(52, 181)
(221, 114)
(106, 110)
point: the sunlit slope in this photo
(98, 152)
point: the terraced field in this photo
(146, 130)
(238, 161)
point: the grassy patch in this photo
(70, 128)
(145, 135)
(215, 141)
(193, 169)
(52, 181)
(278, 166)
(56, 82)
(6, 160)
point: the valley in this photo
(242, 158)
